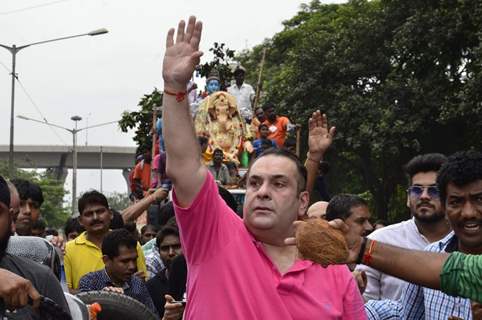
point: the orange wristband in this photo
(179, 95)
(367, 257)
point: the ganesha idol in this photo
(218, 118)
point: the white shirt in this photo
(244, 95)
(405, 235)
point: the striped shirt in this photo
(423, 303)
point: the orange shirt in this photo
(278, 130)
(142, 171)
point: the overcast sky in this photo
(99, 77)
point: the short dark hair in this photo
(285, 154)
(73, 225)
(382, 222)
(92, 197)
(340, 206)
(152, 226)
(461, 168)
(424, 163)
(117, 222)
(28, 190)
(217, 150)
(167, 230)
(116, 239)
(202, 140)
(263, 125)
(268, 105)
(289, 142)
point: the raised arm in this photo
(132, 212)
(183, 153)
(320, 138)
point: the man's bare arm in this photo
(132, 212)
(320, 137)
(183, 152)
(420, 267)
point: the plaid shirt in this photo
(154, 262)
(423, 303)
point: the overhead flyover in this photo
(58, 159)
(88, 157)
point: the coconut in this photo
(320, 243)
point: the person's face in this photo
(270, 114)
(122, 267)
(359, 221)
(264, 132)
(29, 211)
(233, 172)
(148, 235)
(260, 114)
(213, 85)
(464, 211)
(239, 76)
(169, 248)
(5, 227)
(95, 218)
(423, 198)
(218, 157)
(273, 201)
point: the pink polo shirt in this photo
(231, 277)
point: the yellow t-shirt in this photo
(83, 256)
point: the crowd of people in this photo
(195, 256)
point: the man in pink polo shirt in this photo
(240, 268)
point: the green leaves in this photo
(397, 78)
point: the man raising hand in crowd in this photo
(274, 284)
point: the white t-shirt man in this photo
(244, 97)
(404, 234)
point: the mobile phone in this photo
(183, 302)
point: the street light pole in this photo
(13, 50)
(74, 163)
(74, 133)
(11, 170)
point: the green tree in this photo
(397, 78)
(118, 201)
(141, 121)
(53, 210)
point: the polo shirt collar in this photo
(298, 266)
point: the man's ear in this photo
(106, 259)
(304, 202)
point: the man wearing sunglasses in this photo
(427, 225)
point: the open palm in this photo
(183, 55)
(319, 136)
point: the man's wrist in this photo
(314, 156)
(175, 87)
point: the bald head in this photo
(317, 209)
